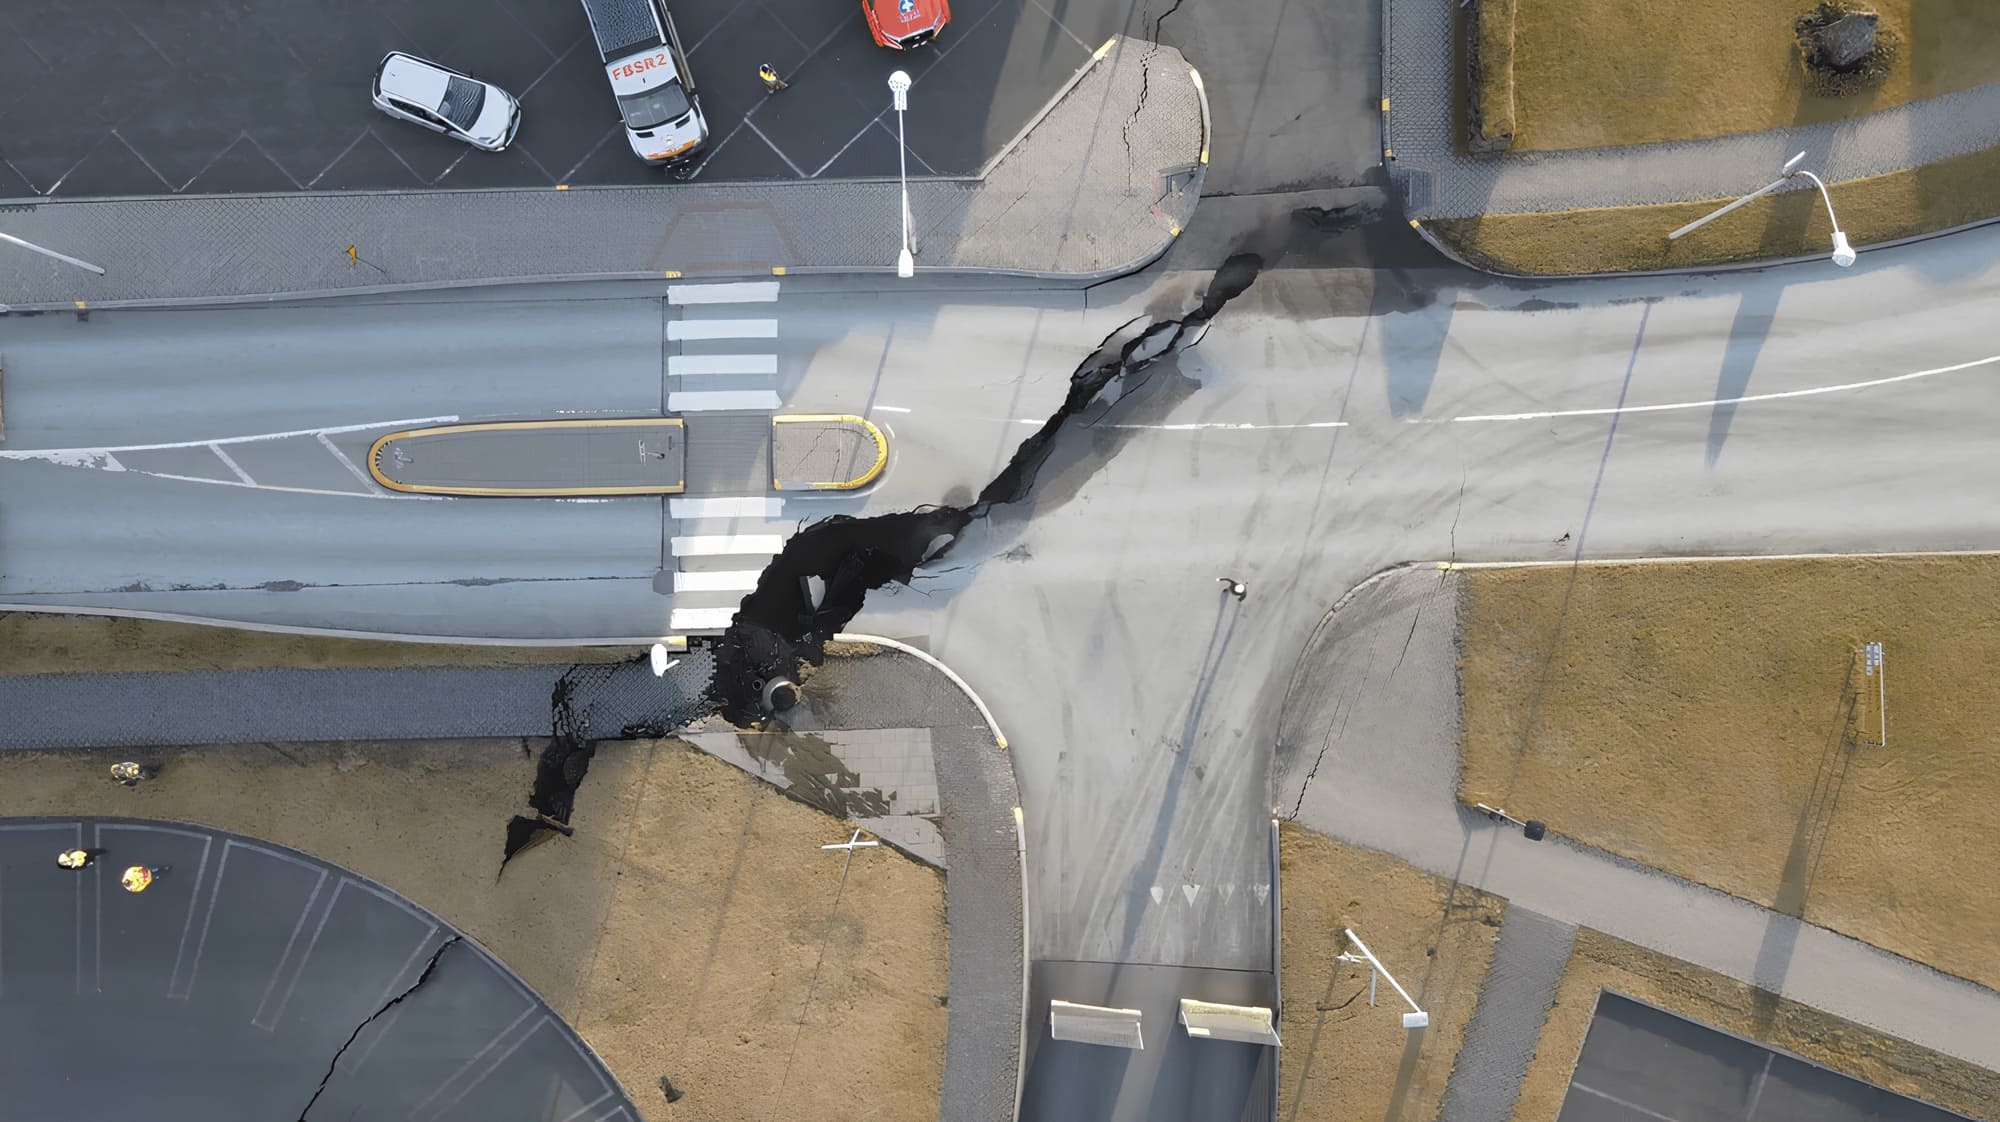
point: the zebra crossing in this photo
(719, 543)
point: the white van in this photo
(649, 75)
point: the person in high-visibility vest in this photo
(75, 858)
(769, 75)
(138, 878)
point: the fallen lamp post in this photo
(1414, 1020)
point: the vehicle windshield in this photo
(463, 99)
(654, 107)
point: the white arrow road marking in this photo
(1159, 894)
(1263, 892)
(1190, 891)
(1228, 890)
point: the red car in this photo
(903, 24)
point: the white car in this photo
(443, 100)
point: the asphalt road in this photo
(1640, 1063)
(231, 96)
(267, 965)
(1331, 423)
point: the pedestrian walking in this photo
(130, 773)
(138, 878)
(1233, 586)
(77, 858)
(769, 75)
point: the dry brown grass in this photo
(1588, 74)
(1699, 717)
(1341, 1058)
(1939, 196)
(67, 644)
(1601, 962)
(677, 931)
(1492, 58)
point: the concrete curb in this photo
(1456, 258)
(1021, 1050)
(999, 740)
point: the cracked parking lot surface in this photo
(121, 98)
(326, 991)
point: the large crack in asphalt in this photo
(822, 577)
(429, 968)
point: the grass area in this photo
(1343, 1059)
(1881, 208)
(1713, 720)
(1491, 58)
(678, 931)
(1601, 962)
(33, 643)
(1588, 74)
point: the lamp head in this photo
(1843, 254)
(906, 266)
(1792, 164)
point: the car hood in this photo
(495, 117)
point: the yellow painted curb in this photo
(862, 480)
(375, 450)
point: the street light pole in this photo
(899, 89)
(47, 252)
(1843, 254)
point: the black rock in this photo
(1845, 43)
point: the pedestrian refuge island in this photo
(633, 456)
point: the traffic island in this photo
(693, 931)
(1097, 185)
(825, 452)
(1723, 721)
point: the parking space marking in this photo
(684, 329)
(739, 292)
(1614, 1099)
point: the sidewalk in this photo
(1418, 83)
(1097, 186)
(1368, 705)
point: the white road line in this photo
(696, 401)
(700, 619)
(888, 409)
(735, 580)
(732, 507)
(233, 465)
(1623, 1103)
(353, 468)
(288, 490)
(335, 430)
(681, 366)
(740, 292)
(1200, 426)
(722, 545)
(722, 329)
(1781, 395)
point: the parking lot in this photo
(1644, 1064)
(153, 97)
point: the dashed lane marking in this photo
(744, 292)
(682, 329)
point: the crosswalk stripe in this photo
(726, 507)
(740, 292)
(722, 329)
(700, 619)
(734, 580)
(721, 545)
(681, 366)
(695, 401)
